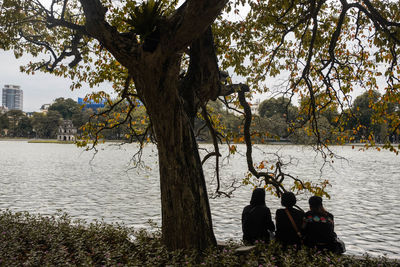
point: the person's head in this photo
(258, 197)
(316, 204)
(288, 199)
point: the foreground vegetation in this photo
(34, 240)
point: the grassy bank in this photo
(50, 141)
(31, 240)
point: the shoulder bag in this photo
(294, 225)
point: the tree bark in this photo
(186, 216)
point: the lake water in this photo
(43, 178)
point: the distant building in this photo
(13, 97)
(66, 131)
(254, 107)
(90, 104)
(94, 106)
(45, 108)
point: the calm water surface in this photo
(43, 178)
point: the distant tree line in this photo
(278, 120)
(44, 125)
(16, 123)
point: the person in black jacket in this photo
(319, 226)
(256, 219)
(286, 233)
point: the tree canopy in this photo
(174, 59)
(278, 106)
(66, 107)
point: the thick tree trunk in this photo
(186, 216)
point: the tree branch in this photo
(118, 44)
(190, 20)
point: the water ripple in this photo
(43, 178)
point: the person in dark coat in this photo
(319, 226)
(286, 234)
(256, 219)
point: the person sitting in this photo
(318, 226)
(256, 219)
(289, 221)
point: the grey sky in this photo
(40, 88)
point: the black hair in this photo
(288, 199)
(316, 205)
(258, 197)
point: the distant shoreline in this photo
(49, 141)
(55, 141)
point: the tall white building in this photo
(13, 97)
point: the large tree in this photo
(4, 122)
(364, 114)
(149, 47)
(14, 118)
(164, 56)
(66, 107)
(45, 125)
(278, 106)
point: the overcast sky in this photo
(40, 88)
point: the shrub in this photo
(34, 240)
